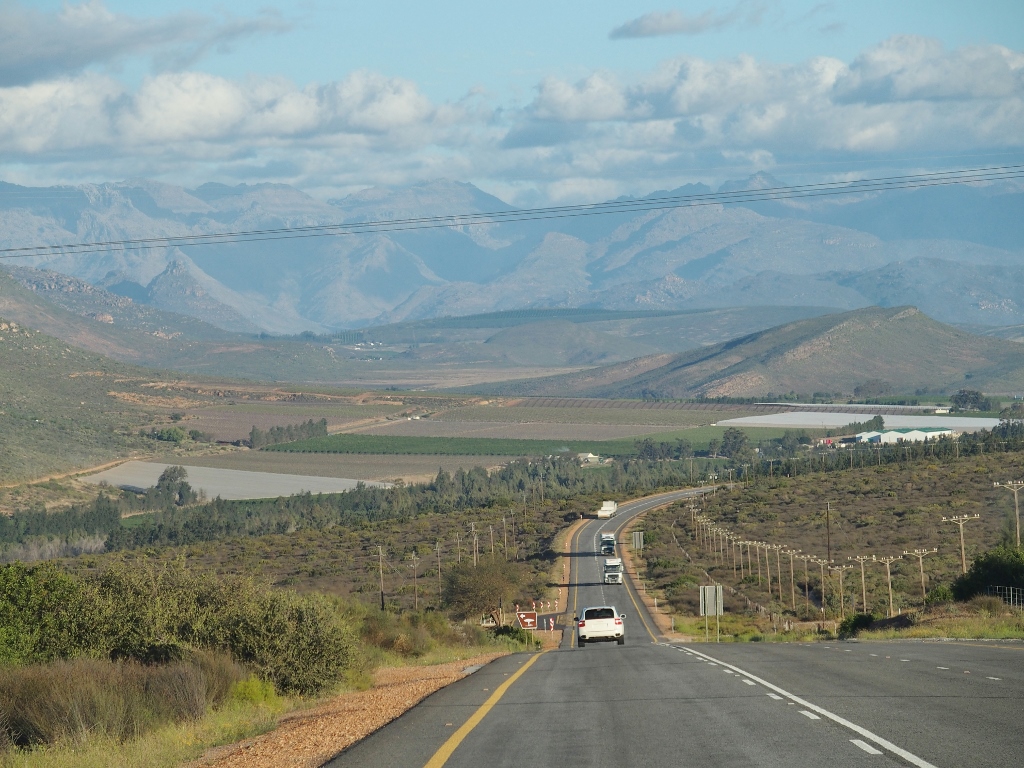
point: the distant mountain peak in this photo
(760, 180)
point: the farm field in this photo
(510, 430)
(233, 422)
(518, 414)
(408, 468)
(493, 446)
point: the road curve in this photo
(757, 704)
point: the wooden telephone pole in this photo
(961, 520)
(863, 584)
(921, 554)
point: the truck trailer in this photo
(608, 509)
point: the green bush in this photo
(1000, 567)
(516, 634)
(940, 594)
(851, 625)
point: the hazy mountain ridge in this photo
(832, 353)
(840, 253)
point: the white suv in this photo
(600, 624)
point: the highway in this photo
(656, 703)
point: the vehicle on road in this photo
(613, 570)
(607, 543)
(600, 624)
(608, 509)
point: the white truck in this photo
(600, 624)
(613, 570)
(608, 509)
(607, 543)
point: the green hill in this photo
(833, 353)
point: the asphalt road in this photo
(650, 703)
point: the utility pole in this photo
(1015, 486)
(921, 554)
(822, 564)
(380, 553)
(828, 531)
(807, 578)
(732, 550)
(863, 584)
(458, 547)
(842, 590)
(504, 533)
(961, 520)
(778, 566)
(792, 577)
(415, 586)
(491, 529)
(757, 554)
(767, 566)
(437, 548)
(888, 574)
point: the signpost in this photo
(527, 619)
(711, 605)
(638, 542)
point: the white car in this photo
(600, 624)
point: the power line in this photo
(643, 205)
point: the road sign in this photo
(711, 600)
(638, 540)
(551, 624)
(527, 619)
(711, 605)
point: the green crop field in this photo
(487, 446)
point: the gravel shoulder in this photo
(311, 737)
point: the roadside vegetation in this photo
(890, 505)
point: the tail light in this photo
(618, 621)
(582, 624)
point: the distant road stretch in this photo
(653, 703)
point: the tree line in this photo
(259, 438)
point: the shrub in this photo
(68, 701)
(1001, 567)
(851, 625)
(940, 594)
(988, 605)
(516, 634)
(474, 590)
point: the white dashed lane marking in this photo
(774, 696)
(942, 667)
(750, 682)
(809, 715)
(866, 747)
(994, 678)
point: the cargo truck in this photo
(613, 570)
(608, 509)
(607, 543)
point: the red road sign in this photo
(527, 619)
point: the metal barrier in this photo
(1010, 595)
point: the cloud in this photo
(618, 131)
(659, 23)
(37, 46)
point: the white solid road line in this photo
(866, 747)
(885, 744)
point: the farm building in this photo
(920, 434)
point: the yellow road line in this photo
(628, 592)
(441, 756)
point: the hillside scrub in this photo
(159, 613)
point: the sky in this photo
(535, 102)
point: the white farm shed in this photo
(918, 435)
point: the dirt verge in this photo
(312, 737)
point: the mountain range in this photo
(899, 349)
(956, 252)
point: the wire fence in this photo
(1013, 596)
